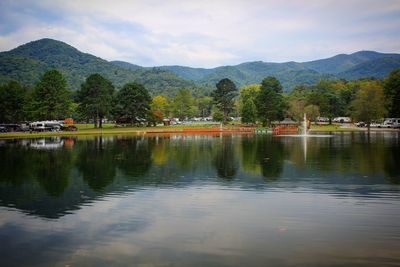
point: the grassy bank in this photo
(88, 129)
(111, 129)
(333, 128)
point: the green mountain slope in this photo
(377, 68)
(353, 66)
(28, 62)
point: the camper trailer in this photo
(391, 123)
(42, 126)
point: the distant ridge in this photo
(28, 62)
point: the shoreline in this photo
(187, 129)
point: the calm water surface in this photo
(201, 200)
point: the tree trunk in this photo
(95, 121)
(225, 117)
(101, 122)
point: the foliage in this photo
(132, 103)
(204, 106)
(296, 108)
(217, 115)
(392, 93)
(249, 111)
(95, 98)
(13, 99)
(369, 103)
(183, 104)
(248, 92)
(312, 112)
(270, 103)
(224, 95)
(51, 97)
(161, 104)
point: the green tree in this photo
(95, 98)
(312, 112)
(369, 103)
(224, 96)
(247, 92)
(392, 93)
(249, 112)
(183, 104)
(132, 102)
(204, 105)
(13, 98)
(161, 104)
(296, 108)
(51, 97)
(270, 102)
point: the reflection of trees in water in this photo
(392, 164)
(134, 155)
(225, 161)
(49, 168)
(249, 160)
(270, 155)
(96, 162)
(15, 165)
(349, 153)
(99, 159)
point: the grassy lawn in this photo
(88, 129)
(332, 128)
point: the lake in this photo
(201, 200)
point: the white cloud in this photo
(207, 33)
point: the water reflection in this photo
(73, 172)
(200, 200)
(225, 161)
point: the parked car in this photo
(70, 128)
(3, 129)
(375, 125)
(361, 124)
(342, 119)
(322, 119)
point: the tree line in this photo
(97, 99)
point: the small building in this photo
(287, 126)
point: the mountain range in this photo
(28, 62)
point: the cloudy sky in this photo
(205, 33)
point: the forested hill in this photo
(354, 66)
(28, 62)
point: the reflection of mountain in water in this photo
(53, 182)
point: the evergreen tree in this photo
(224, 97)
(13, 98)
(270, 102)
(132, 102)
(95, 98)
(392, 93)
(51, 97)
